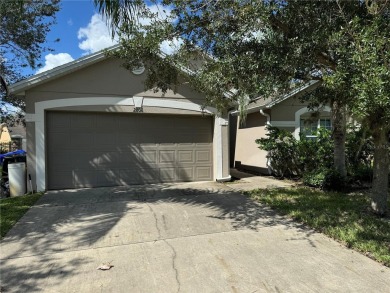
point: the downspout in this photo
(268, 123)
(267, 116)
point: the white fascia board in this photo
(20, 87)
(282, 98)
(292, 93)
(249, 111)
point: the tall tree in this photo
(24, 26)
(257, 48)
(364, 46)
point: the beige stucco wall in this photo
(282, 115)
(285, 111)
(107, 79)
(247, 151)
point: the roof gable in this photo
(38, 79)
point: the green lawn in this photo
(13, 208)
(344, 217)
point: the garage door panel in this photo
(86, 160)
(107, 149)
(82, 141)
(128, 176)
(59, 121)
(185, 174)
(81, 121)
(168, 174)
(84, 178)
(60, 140)
(105, 141)
(107, 178)
(60, 162)
(149, 175)
(167, 156)
(203, 173)
(203, 156)
(61, 179)
(185, 156)
(149, 157)
(121, 159)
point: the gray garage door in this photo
(95, 149)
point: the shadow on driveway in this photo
(62, 222)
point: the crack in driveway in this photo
(174, 257)
(156, 221)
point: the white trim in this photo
(165, 103)
(138, 101)
(223, 121)
(283, 123)
(302, 111)
(219, 123)
(39, 118)
(217, 146)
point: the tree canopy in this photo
(264, 48)
(24, 27)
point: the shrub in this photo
(328, 179)
(282, 152)
(312, 159)
(289, 157)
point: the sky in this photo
(81, 31)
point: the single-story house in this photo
(91, 123)
(286, 112)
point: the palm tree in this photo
(118, 12)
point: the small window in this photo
(325, 123)
(309, 127)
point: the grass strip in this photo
(13, 208)
(344, 217)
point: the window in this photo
(308, 121)
(326, 123)
(310, 125)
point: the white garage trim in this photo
(39, 119)
(219, 122)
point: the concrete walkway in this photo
(247, 181)
(193, 237)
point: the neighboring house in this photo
(5, 138)
(90, 123)
(12, 137)
(286, 112)
(18, 135)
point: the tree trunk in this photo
(380, 182)
(338, 133)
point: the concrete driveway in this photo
(193, 237)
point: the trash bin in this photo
(17, 178)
